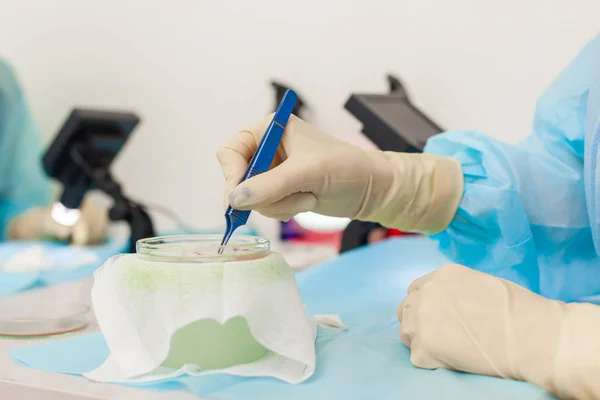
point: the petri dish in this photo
(201, 249)
(166, 262)
(42, 320)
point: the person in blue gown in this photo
(521, 221)
(25, 192)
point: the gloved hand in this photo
(465, 320)
(313, 171)
(37, 224)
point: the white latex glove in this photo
(37, 224)
(317, 172)
(465, 320)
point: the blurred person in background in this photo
(25, 192)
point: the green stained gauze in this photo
(181, 302)
(190, 277)
(210, 345)
(206, 343)
(171, 277)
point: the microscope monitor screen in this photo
(88, 141)
(391, 122)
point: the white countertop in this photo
(22, 383)
(18, 382)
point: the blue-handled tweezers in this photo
(261, 160)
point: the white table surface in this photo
(22, 383)
(18, 382)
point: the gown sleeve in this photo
(523, 215)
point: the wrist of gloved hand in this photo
(577, 369)
(412, 192)
(560, 348)
(534, 325)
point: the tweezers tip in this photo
(224, 242)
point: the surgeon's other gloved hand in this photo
(461, 319)
(314, 171)
(37, 224)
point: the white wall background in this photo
(197, 70)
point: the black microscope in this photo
(80, 159)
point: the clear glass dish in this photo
(201, 249)
(43, 319)
(205, 343)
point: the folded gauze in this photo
(242, 318)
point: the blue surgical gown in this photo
(22, 181)
(528, 212)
